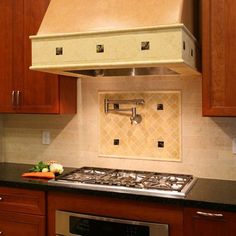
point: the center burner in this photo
(128, 181)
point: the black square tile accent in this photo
(59, 51)
(100, 48)
(160, 144)
(145, 45)
(116, 142)
(160, 107)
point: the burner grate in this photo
(127, 178)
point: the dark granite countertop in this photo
(206, 193)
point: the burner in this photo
(167, 181)
(85, 175)
(128, 181)
(125, 178)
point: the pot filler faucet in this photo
(134, 118)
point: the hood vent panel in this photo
(121, 36)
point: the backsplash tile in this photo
(157, 137)
(206, 142)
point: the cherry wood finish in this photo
(12, 224)
(6, 50)
(218, 61)
(22, 201)
(38, 91)
(68, 95)
(196, 223)
(23, 90)
(22, 212)
(114, 207)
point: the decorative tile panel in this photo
(157, 137)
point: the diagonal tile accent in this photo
(140, 141)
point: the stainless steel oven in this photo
(70, 224)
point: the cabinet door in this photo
(6, 36)
(208, 223)
(23, 90)
(36, 92)
(12, 224)
(218, 62)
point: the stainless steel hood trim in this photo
(137, 71)
(88, 72)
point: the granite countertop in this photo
(206, 193)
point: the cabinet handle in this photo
(17, 98)
(1, 232)
(1, 198)
(13, 98)
(208, 214)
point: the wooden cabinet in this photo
(22, 212)
(23, 90)
(209, 223)
(12, 224)
(218, 61)
(6, 50)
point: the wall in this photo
(206, 142)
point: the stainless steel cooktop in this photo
(128, 181)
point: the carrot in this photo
(44, 175)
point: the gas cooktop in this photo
(128, 181)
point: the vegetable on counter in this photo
(45, 170)
(39, 167)
(56, 168)
(44, 175)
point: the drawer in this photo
(22, 201)
(18, 224)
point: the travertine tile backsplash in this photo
(206, 142)
(157, 137)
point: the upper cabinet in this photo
(219, 57)
(23, 90)
(6, 49)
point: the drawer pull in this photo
(1, 198)
(208, 214)
(1, 232)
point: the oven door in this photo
(70, 224)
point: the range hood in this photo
(97, 38)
